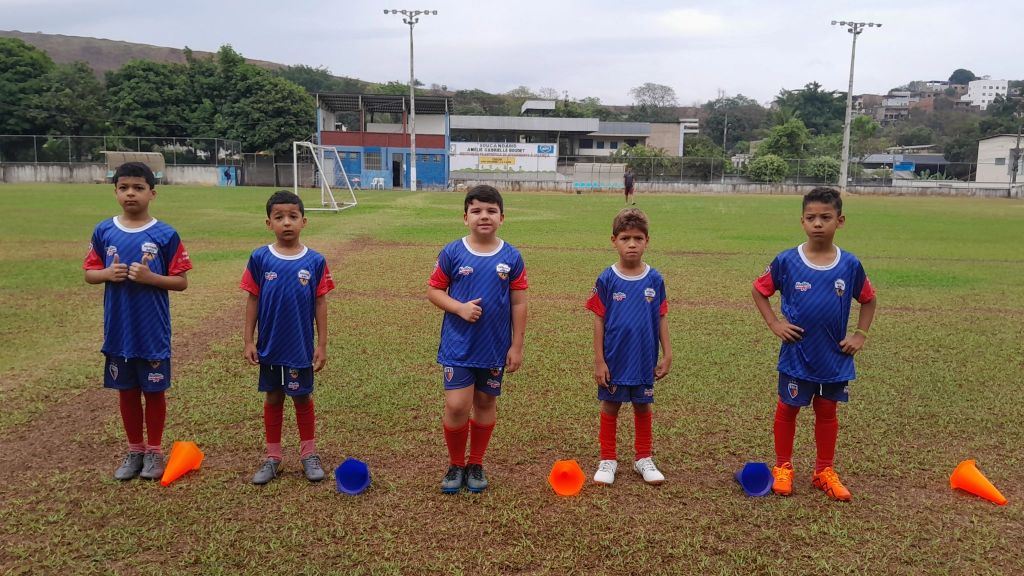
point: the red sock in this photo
(273, 417)
(156, 416)
(606, 436)
(642, 440)
(130, 402)
(826, 431)
(479, 436)
(785, 432)
(456, 439)
(305, 417)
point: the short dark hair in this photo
(824, 195)
(630, 218)
(135, 170)
(285, 197)
(486, 194)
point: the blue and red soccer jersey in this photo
(632, 307)
(817, 299)
(137, 317)
(287, 288)
(468, 275)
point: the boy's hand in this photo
(471, 311)
(250, 354)
(786, 331)
(319, 359)
(602, 375)
(140, 273)
(663, 367)
(117, 272)
(852, 343)
(513, 360)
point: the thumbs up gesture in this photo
(117, 272)
(471, 311)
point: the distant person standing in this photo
(627, 181)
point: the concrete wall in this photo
(11, 173)
(191, 175)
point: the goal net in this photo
(328, 174)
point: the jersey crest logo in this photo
(803, 286)
(503, 270)
(149, 251)
(293, 373)
(840, 287)
(113, 370)
(649, 294)
(111, 250)
(496, 372)
(465, 270)
(304, 277)
(270, 275)
(794, 389)
(449, 372)
(619, 296)
(155, 377)
(154, 364)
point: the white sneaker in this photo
(606, 472)
(646, 468)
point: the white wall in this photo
(982, 92)
(425, 124)
(992, 150)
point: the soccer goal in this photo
(328, 173)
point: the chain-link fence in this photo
(84, 149)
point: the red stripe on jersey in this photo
(764, 284)
(664, 308)
(249, 284)
(93, 261)
(867, 292)
(594, 304)
(520, 283)
(439, 279)
(326, 282)
(180, 263)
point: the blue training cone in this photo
(755, 478)
(352, 476)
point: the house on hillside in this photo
(996, 158)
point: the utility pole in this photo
(855, 28)
(411, 17)
(1015, 165)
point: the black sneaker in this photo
(152, 466)
(130, 468)
(453, 479)
(476, 482)
(313, 468)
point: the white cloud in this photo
(692, 21)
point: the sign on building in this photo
(514, 157)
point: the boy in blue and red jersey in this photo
(138, 259)
(287, 284)
(630, 303)
(818, 283)
(480, 283)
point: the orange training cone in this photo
(185, 457)
(566, 478)
(967, 477)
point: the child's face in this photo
(630, 244)
(286, 221)
(820, 221)
(483, 218)
(134, 195)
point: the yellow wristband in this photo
(863, 333)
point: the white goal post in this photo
(329, 174)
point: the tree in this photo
(961, 76)
(745, 118)
(653, 103)
(24, 72)
(523, 92)
(768, 168)
(589, 107)
(915, 136)
(823, 169)
(645, 161)
(318, 80)
(822, 112)
(788, 140)
(149, 99)
(864, 136)
(73, 101)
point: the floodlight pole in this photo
(854, 28)
(411, 17)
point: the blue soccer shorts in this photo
(130, 373)
(293, 381)
(486, 380)
(797, 392)
(636, 394)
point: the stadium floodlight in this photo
(411, 17)
(854, 28)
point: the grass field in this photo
(940, 380)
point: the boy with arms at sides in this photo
(818, 283)
(630, 304)
(480, 283)
(138, 259)
(287, 284)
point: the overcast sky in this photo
(587, 48)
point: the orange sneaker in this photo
(783, 484)
(828, 481)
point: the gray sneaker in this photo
(267, 472)
(313, 468)
(476, 482)
(453, 479)
(130, 468)
(152, 466)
